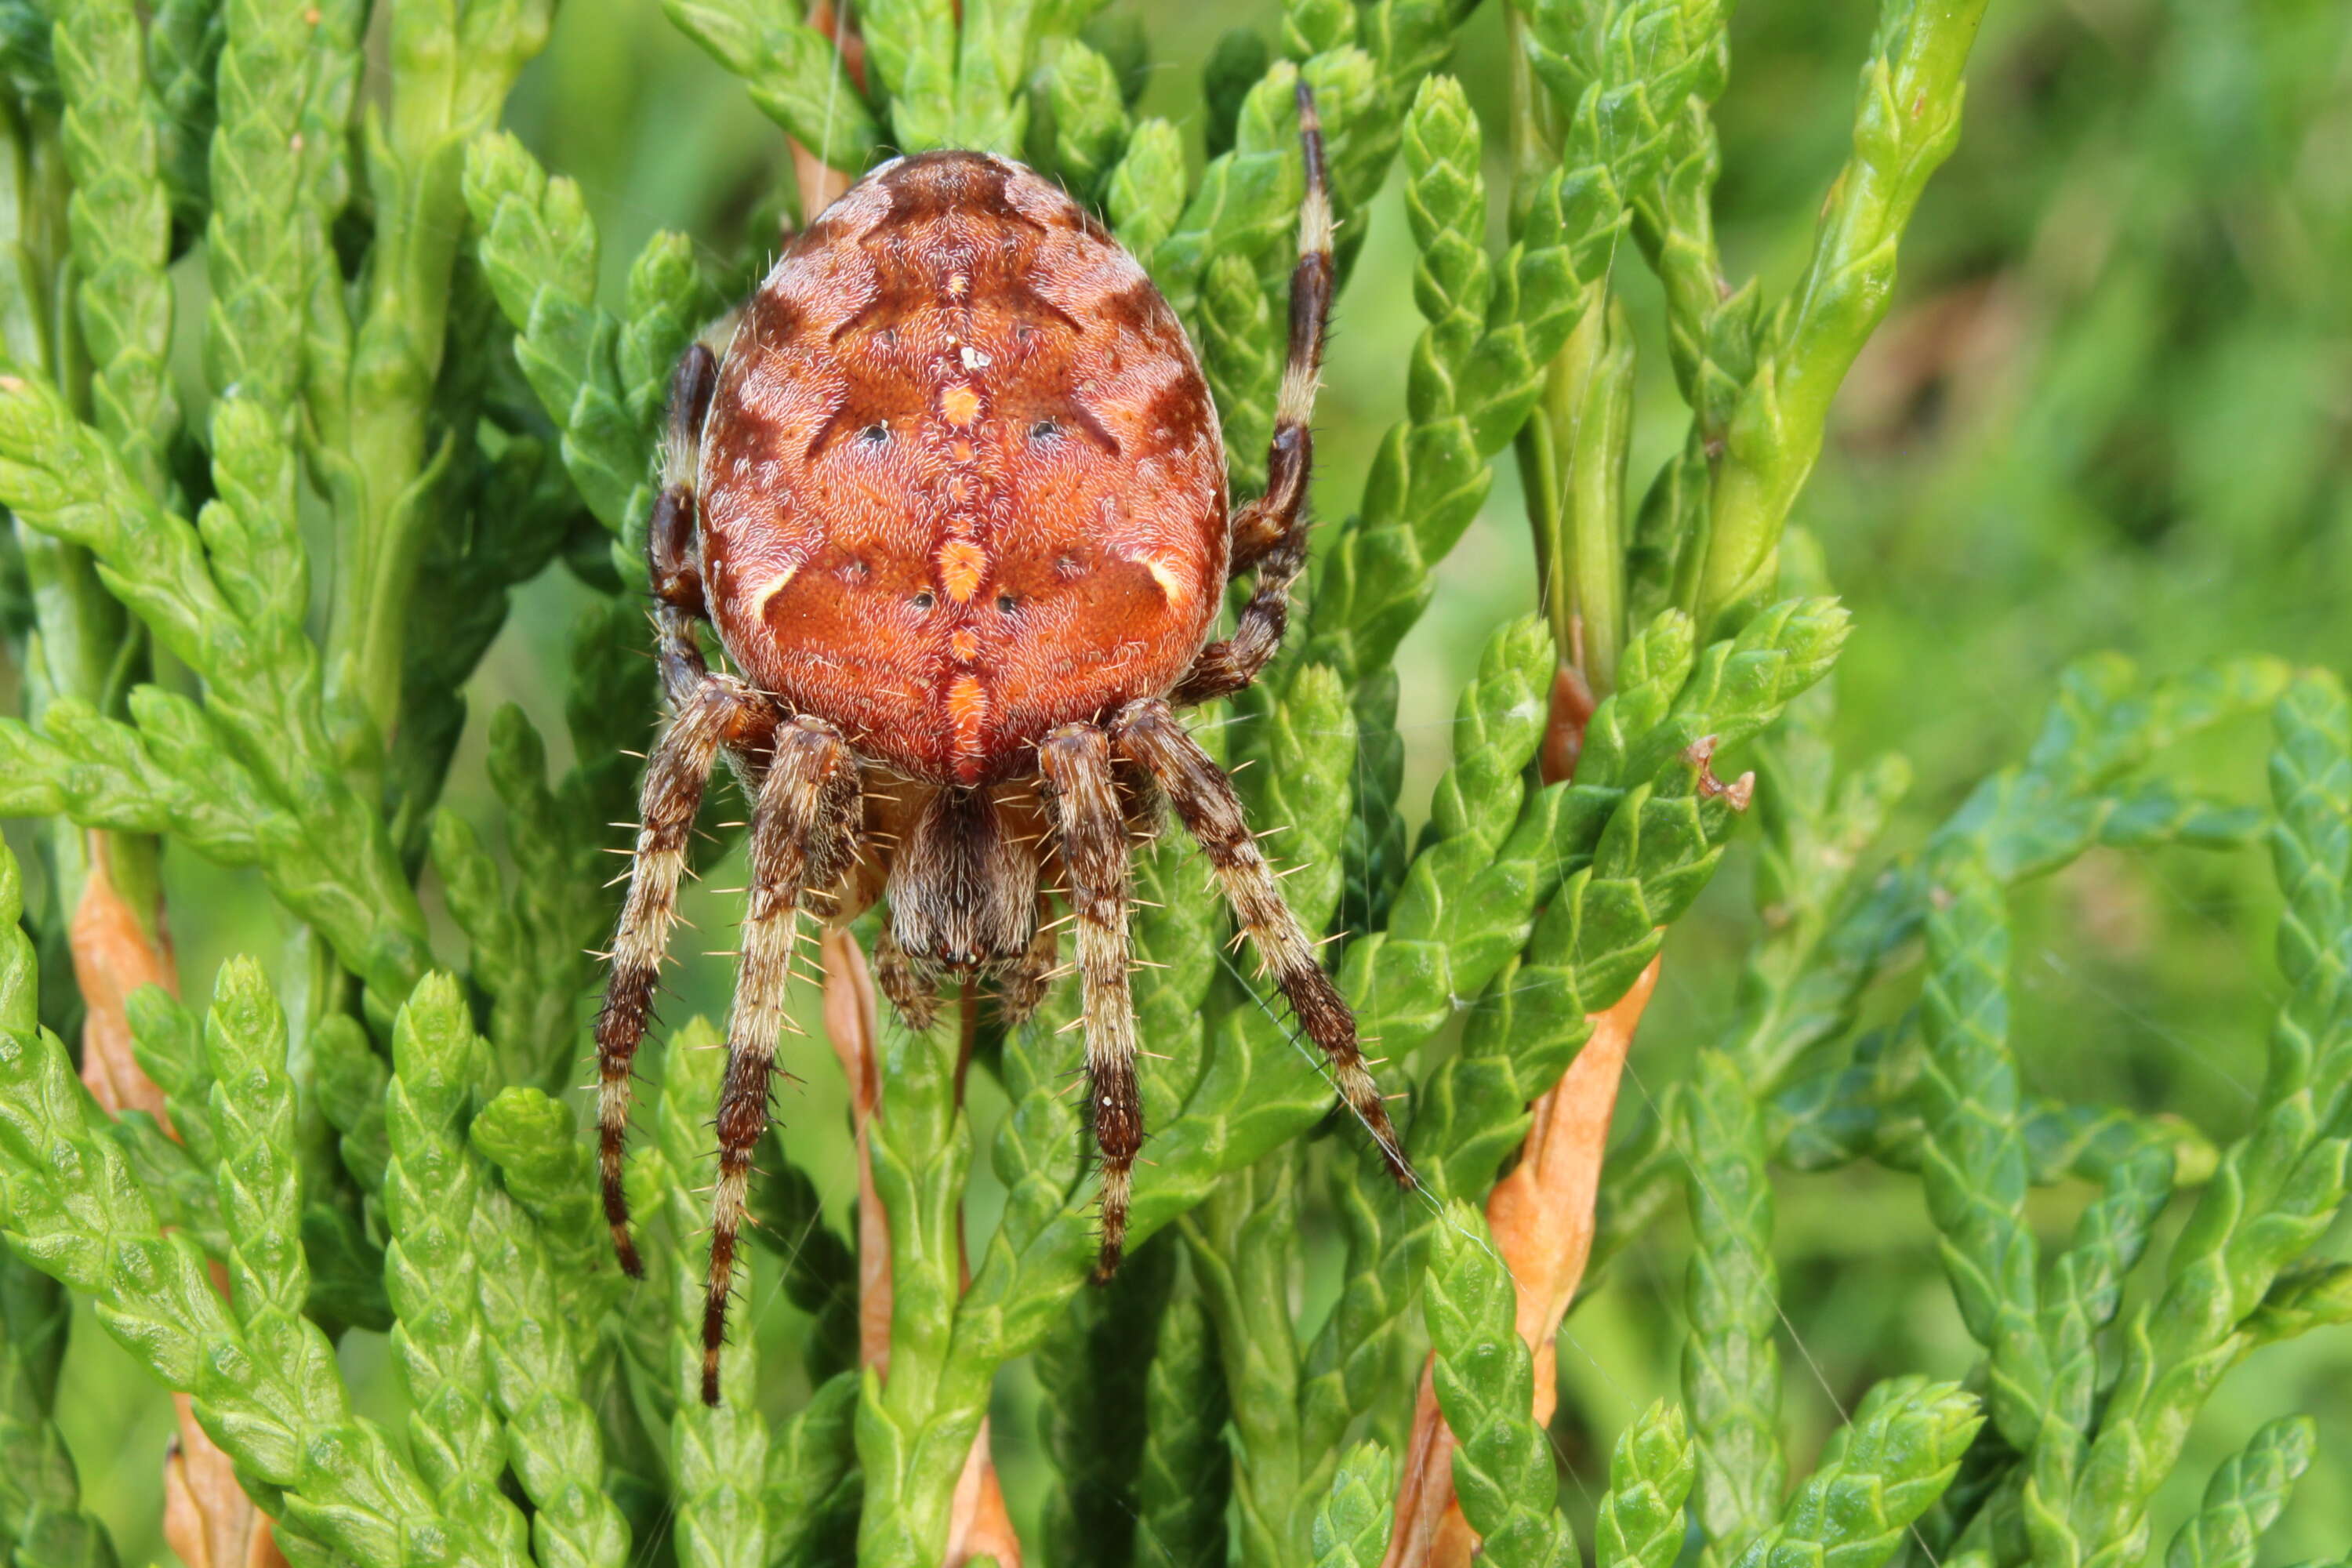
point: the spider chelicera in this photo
(954, 504)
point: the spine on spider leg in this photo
(1074, 763)
(800, 841)
(675, 775)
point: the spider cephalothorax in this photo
(954, 504)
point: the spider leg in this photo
(803, 837)
(716, 711)
(1270, 534)
(911, 988)
(709, 713)
(1075, 762)
(673, 554)
(1026, 979)
(1206, 802)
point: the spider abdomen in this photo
(961, 480)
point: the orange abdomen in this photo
(962, 481)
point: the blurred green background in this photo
(2111, 408)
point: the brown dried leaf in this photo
(114, 953)
(207, 1519)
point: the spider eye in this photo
(1004, 606)
(923, 600)
(1044, 430)
(875, 435)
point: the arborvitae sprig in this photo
(717, 1453)
(40, 1513)
(1243, 1249)
(1906, 123)
(224, 776)
(1615, 864)
(1352, 1525)
(1146, 193)
(820, 1269)
(42, 1521)
(359, 399)
(121, 225)
(1818, 824)
(1485, 1380)
(2088, 780)
(1469, 894)
(813, 1486)
(1082, 111)
(1185, 1477)
(1241, 350)
(2246, 1495)
(273, 1400)
(538, 1359)
(534, 942)
(183, 46)
(431, 1190)
(1901, 1450)
(1180, 937)
(794, 74)
(1640, 1520)
(1731, 1357)
(1094, 1376)
(539, 250)
(1975, 1169)
(2277, 1188)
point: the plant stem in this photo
(449, 86)
(916, 1428)
(1907, 122)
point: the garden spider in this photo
(955, 505)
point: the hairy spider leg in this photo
(1021, 990)
(912, 991)
(670, 548)
(804, 837)
(707, 713)
(1074, 763)
(1205, 801)
(675, 774)
(1270, 534)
